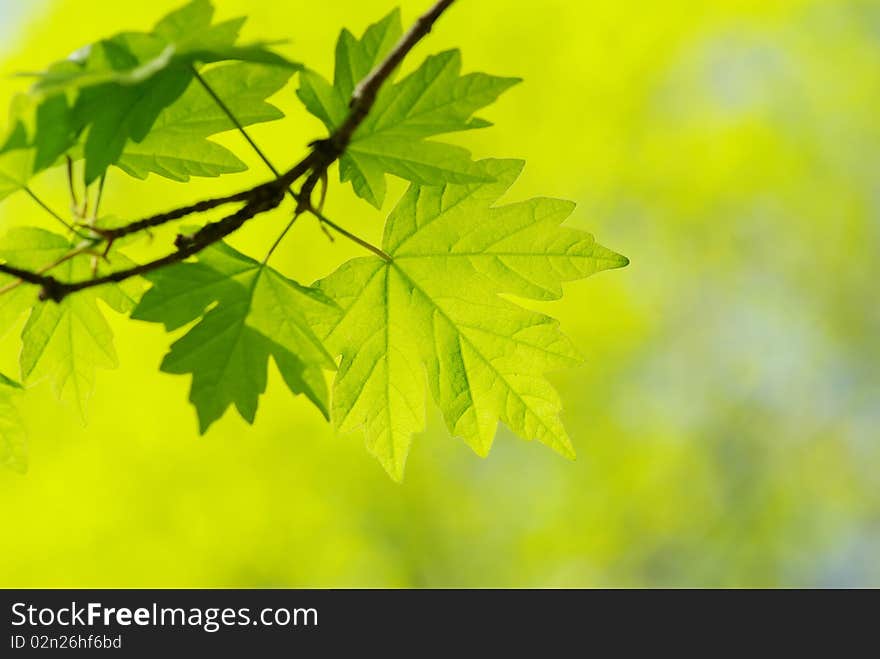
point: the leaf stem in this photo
(256, 147)
(241, 129)
(348, 234)
(94, 216)
(55, 215)
(278, 240)
(330, 223)
(324, 221)
(74, 202)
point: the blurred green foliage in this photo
(726, 420)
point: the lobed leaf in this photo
(13, 439)
(246, 313)
(111, 93)
(433, 100)
(177, 146)
(441, 303)
(64, 343)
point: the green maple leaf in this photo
(113, 91)
(13, 440)
(176, 146)
(184, 36)
(247, 312)
(433, 100)
(439, 303)
(64, 343)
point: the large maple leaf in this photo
(441, 303)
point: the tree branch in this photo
(187, 246)
(364, 97)
(261, 198)
(85, 248)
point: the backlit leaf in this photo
(13, 440)
(176, 147)
(441, 304)
(64, 343)
(246, 313)
(111, 92)
(433, 100)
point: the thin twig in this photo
(24, 275)
(187, 246)
(82, 249)
(207, 204)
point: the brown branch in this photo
(24, 275)
(187, 246)
(364, 97)
(205, 205)
(82, 249)
(259, 199)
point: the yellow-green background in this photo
(726, 418)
